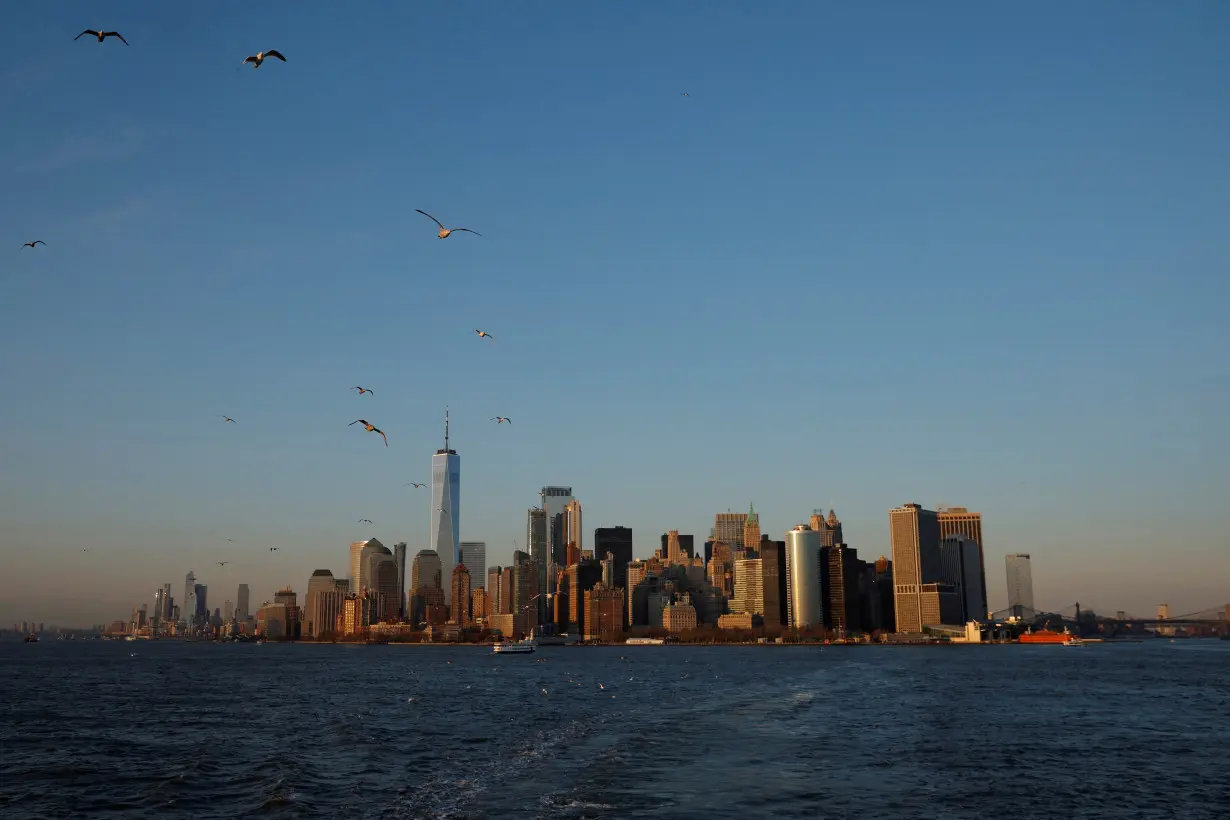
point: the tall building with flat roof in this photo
(618, 542)
(461, 597)
(242, 608)
(915, 535)
(554, 503)
(728, 527)
(574, 533)
(426, 571)
(1020, 585)
(803, 578)
(446, 508)
(474, 556)
(961, 566)
(960, 521)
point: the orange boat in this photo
(1045, 636)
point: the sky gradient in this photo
(949, 253)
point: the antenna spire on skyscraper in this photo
(446, 427)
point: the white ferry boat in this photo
(644, 642)
(517, 648)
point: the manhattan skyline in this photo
(953, 255)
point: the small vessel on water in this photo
(515, 647)
(31, 638)
(1074, 641)
(644, 642)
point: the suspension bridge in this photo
(1086, 621)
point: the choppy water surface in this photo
(119, 729)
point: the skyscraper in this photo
(1020, 585)
(961, 564)
(960, 521)
(241, 604)
(915, 535)
(573, 531)
(474, 556)
(461, 600)
(188, 608)
(356, 564)
(426, 571)
(554, 501)
(618, 542)
(446, 508)
(805, 608)
(728, 527)
(399, 555)
(751, 529)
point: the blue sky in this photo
(946, 253)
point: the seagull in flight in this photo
(32, 244)
(363, 390)
(273, 549)
(686, 94)
(371, 429)
(259, 57)
(501, 419)
(223, 563)
(101, 35)
(415, 485)
(364, 521)
(227, 419)
(444, 232)
(482, 334)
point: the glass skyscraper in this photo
(1020, 585)
(446, 509)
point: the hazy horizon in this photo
(946, 253)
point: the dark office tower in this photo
(883, 615)
(844, 606)
(202, 610)
(773, 571)
(618, 542)
(960, 521)
(961, 565)
(709, 551)
(537, 541)
(525, 584)
(399, 555)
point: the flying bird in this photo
(444, 232)
(101, 35)
(482, 334)
(364, 521)
(415, 485)
(223, 563)
(363, 390)
(273, 549)
(371, 429)
(32, 244)
(501, 420)
(259, 57)
(686, 94)
(227, 419)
